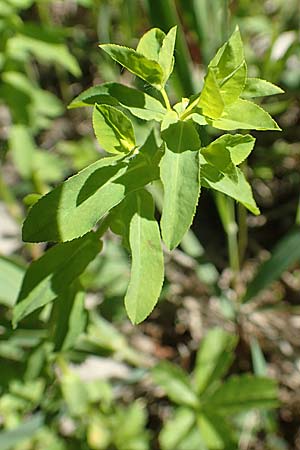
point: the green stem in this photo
(297, 221)
(243, 231)
(189, 109)
(166, 99)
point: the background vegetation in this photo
(94, 381)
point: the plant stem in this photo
(166, 99)
(189, 109)
(243, 231)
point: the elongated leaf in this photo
(179, 171)
(11, 276)
(176, 428)
(114, 131)
(229, 57)
(245, 115)
(256, 87)
(213, 358)
(150, 43)
(11, 438)
(234, 185)
(215, 432)
(147, 267)
(73, 208)
(138, 103)
(166, 58)
(227, 149)
(232, 86)
(23, 149)
(49, 276)
(175, 383)
(69, 317)
(211, 101)
(286, 252)
(241, 393)
(147, 69)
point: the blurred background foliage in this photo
(87, 382)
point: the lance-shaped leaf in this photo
(147, 267)
(147, 69)
(285, 253)
(245, 115)
(11, 275)
(229, 57)
(233, 184)
(68, 317)
(176, 428)
(137, 102)
(256, 87)
(150, 43)
(213, 358)
(241, 393)
(114, 131)
(166, 58)
(215, 432)
(179, 172)
(175, 383)
(74, 208)
(232, 86)
(49, 276)
(228, 149)
(211, 102)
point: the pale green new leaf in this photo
(213, 358)
(166, 58)
(229, 57)
(49, 276)
(245, 115)
(150, 43)
(147, 267)
(175, 383)
(234, 184)
(114, 131)
(180, 175)
(176, 428)
(147, 69)
(227, 149)
(232, 86)
(242, 393)
(256, 87)
(211, 101)
(137, 102)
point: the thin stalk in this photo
(243, 231)
(297, 221)
(166, 99)
(189, 109)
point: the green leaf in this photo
(242, 393)
(11, 276)
(68, 317)
(22, 149)
(232, 86)
(213, 358)
(138, 103)
(256, 87)
(229, 57)
(215, 432)
(175, 383)
(285, 253)
(245, 115)
(166, 58)
(147, 267)
(227, 149)
(74, 208)
(114, 131)
(150, 44)
(211, 101)
(49, 276)
(180, 175)
(176, 428)
(234, 184)
(11, 438)
(147, 69)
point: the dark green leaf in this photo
(49, 276)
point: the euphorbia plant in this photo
(112, 192)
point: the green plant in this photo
(206, 406)
(113, 193)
